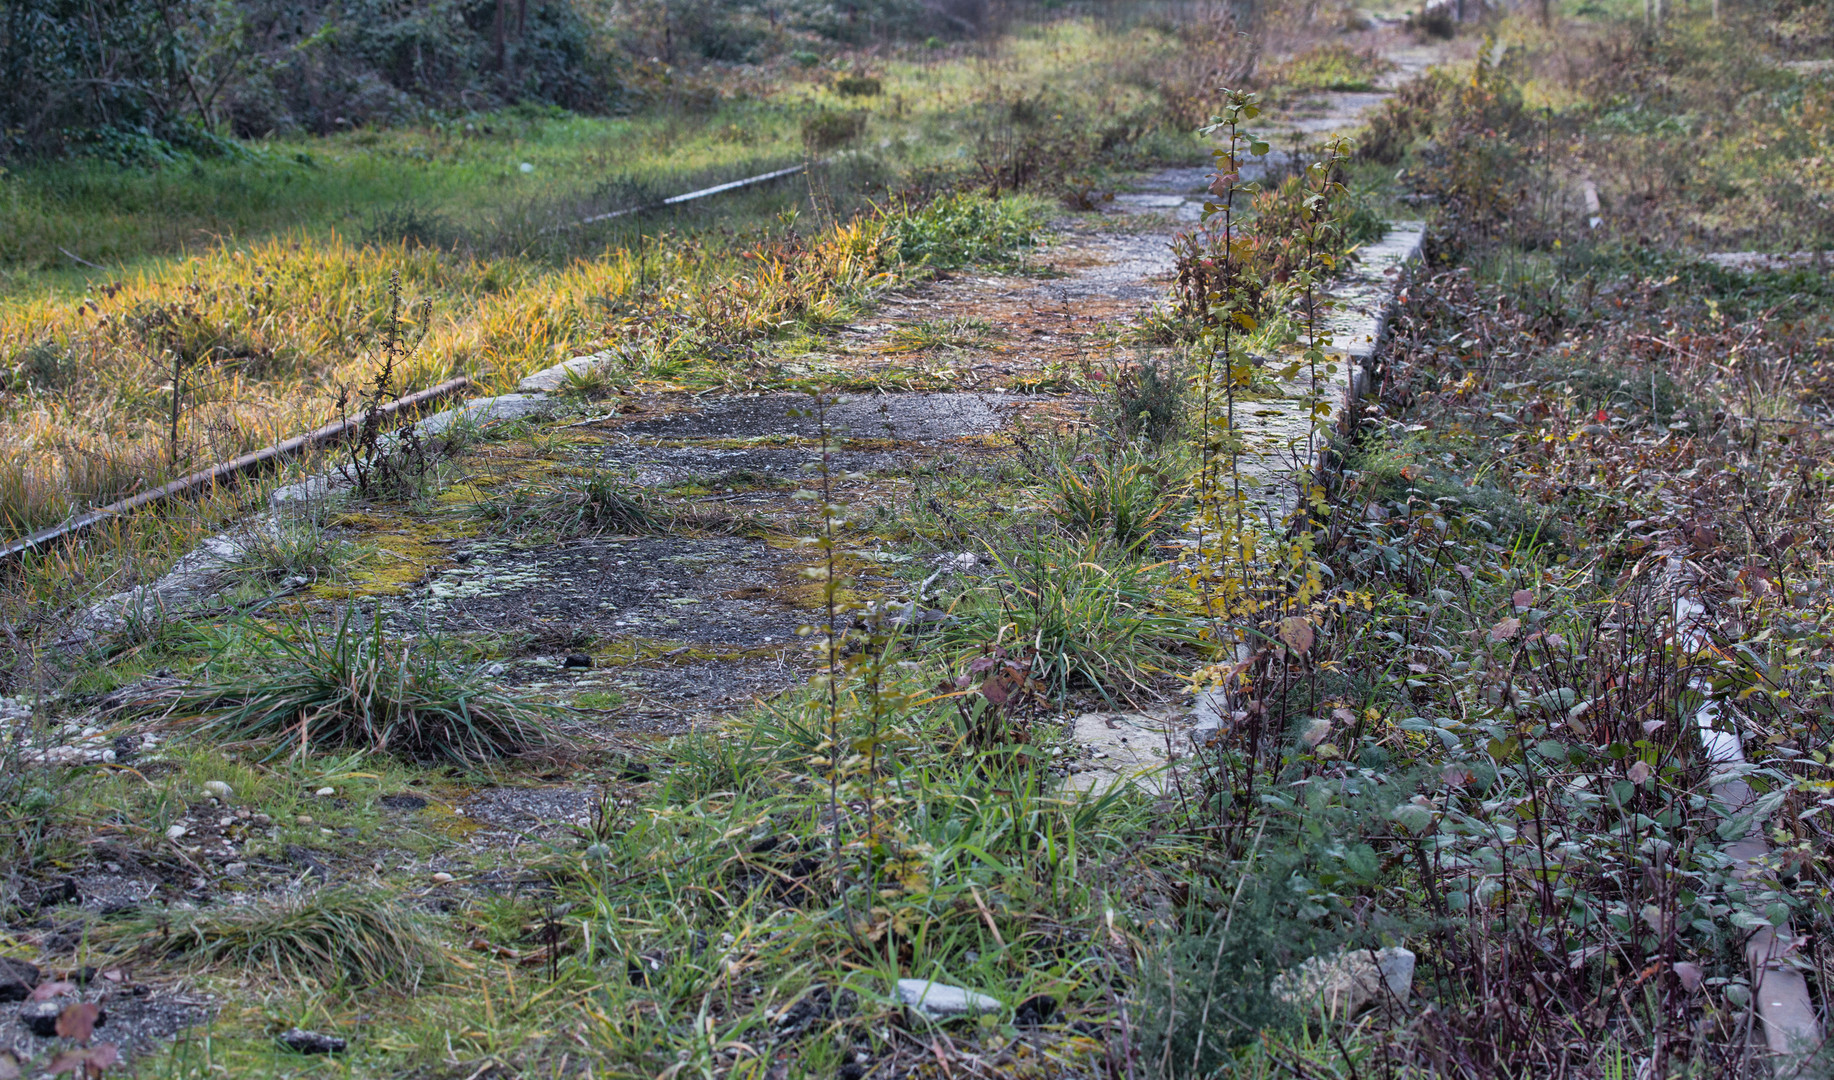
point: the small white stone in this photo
(326, 792)
(175, 832)
(219, 789)
(108, 756)
(938, 1000)
(441, 878)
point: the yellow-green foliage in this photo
(267, 334)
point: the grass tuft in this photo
(354, 687)
(339, 938)
(599, 502)
(1092, 614)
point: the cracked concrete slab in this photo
(902, 417)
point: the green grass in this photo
(1090, 615)
(959, 229)
(959, 333)
(356, 687)
(596, 503)
(342, 940)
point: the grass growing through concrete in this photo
(341, 940)
(355, 686)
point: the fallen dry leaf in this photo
(78, 1022)
(47, 991)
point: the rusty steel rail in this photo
(229, 472)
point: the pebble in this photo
(304, 819)
(326, 792)
(17, 978)
(219, 789)
(441, 878)
(301, 1041)
(174, 832)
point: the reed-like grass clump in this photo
(358, 687)
(340, 938)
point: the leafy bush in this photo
(827, 130)
(1148, 402)
(355, 687)
(145, 82)
(1208, 991)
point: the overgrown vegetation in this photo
(1474, 690)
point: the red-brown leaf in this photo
(78, 1022)
(1297, 633)
(47, 991)
(1505, 630)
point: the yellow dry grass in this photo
(266, 336)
